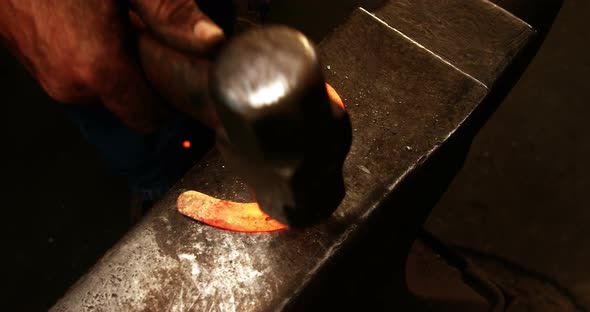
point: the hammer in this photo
(275, 125)
(278, 129)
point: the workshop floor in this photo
(521, 195)
(522, 192)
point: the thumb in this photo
(179, 23)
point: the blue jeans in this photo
(150, 163)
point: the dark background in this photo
(521, 195)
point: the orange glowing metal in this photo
(334, 96)
(228, 215)
(239, 217)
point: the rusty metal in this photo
(415, 103)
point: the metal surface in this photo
(413, 114)
(468, 34)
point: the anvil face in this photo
(419, 78)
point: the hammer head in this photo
(279, 130)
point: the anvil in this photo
(420, 78)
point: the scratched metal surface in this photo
(404, 102)
(466, 33)
(538, 13)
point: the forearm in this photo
(9, 15)
(15, 29)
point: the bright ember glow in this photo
(233, 216)
(334, 96)
(186, 144)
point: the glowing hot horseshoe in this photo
(334, 96)
(233, 216)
